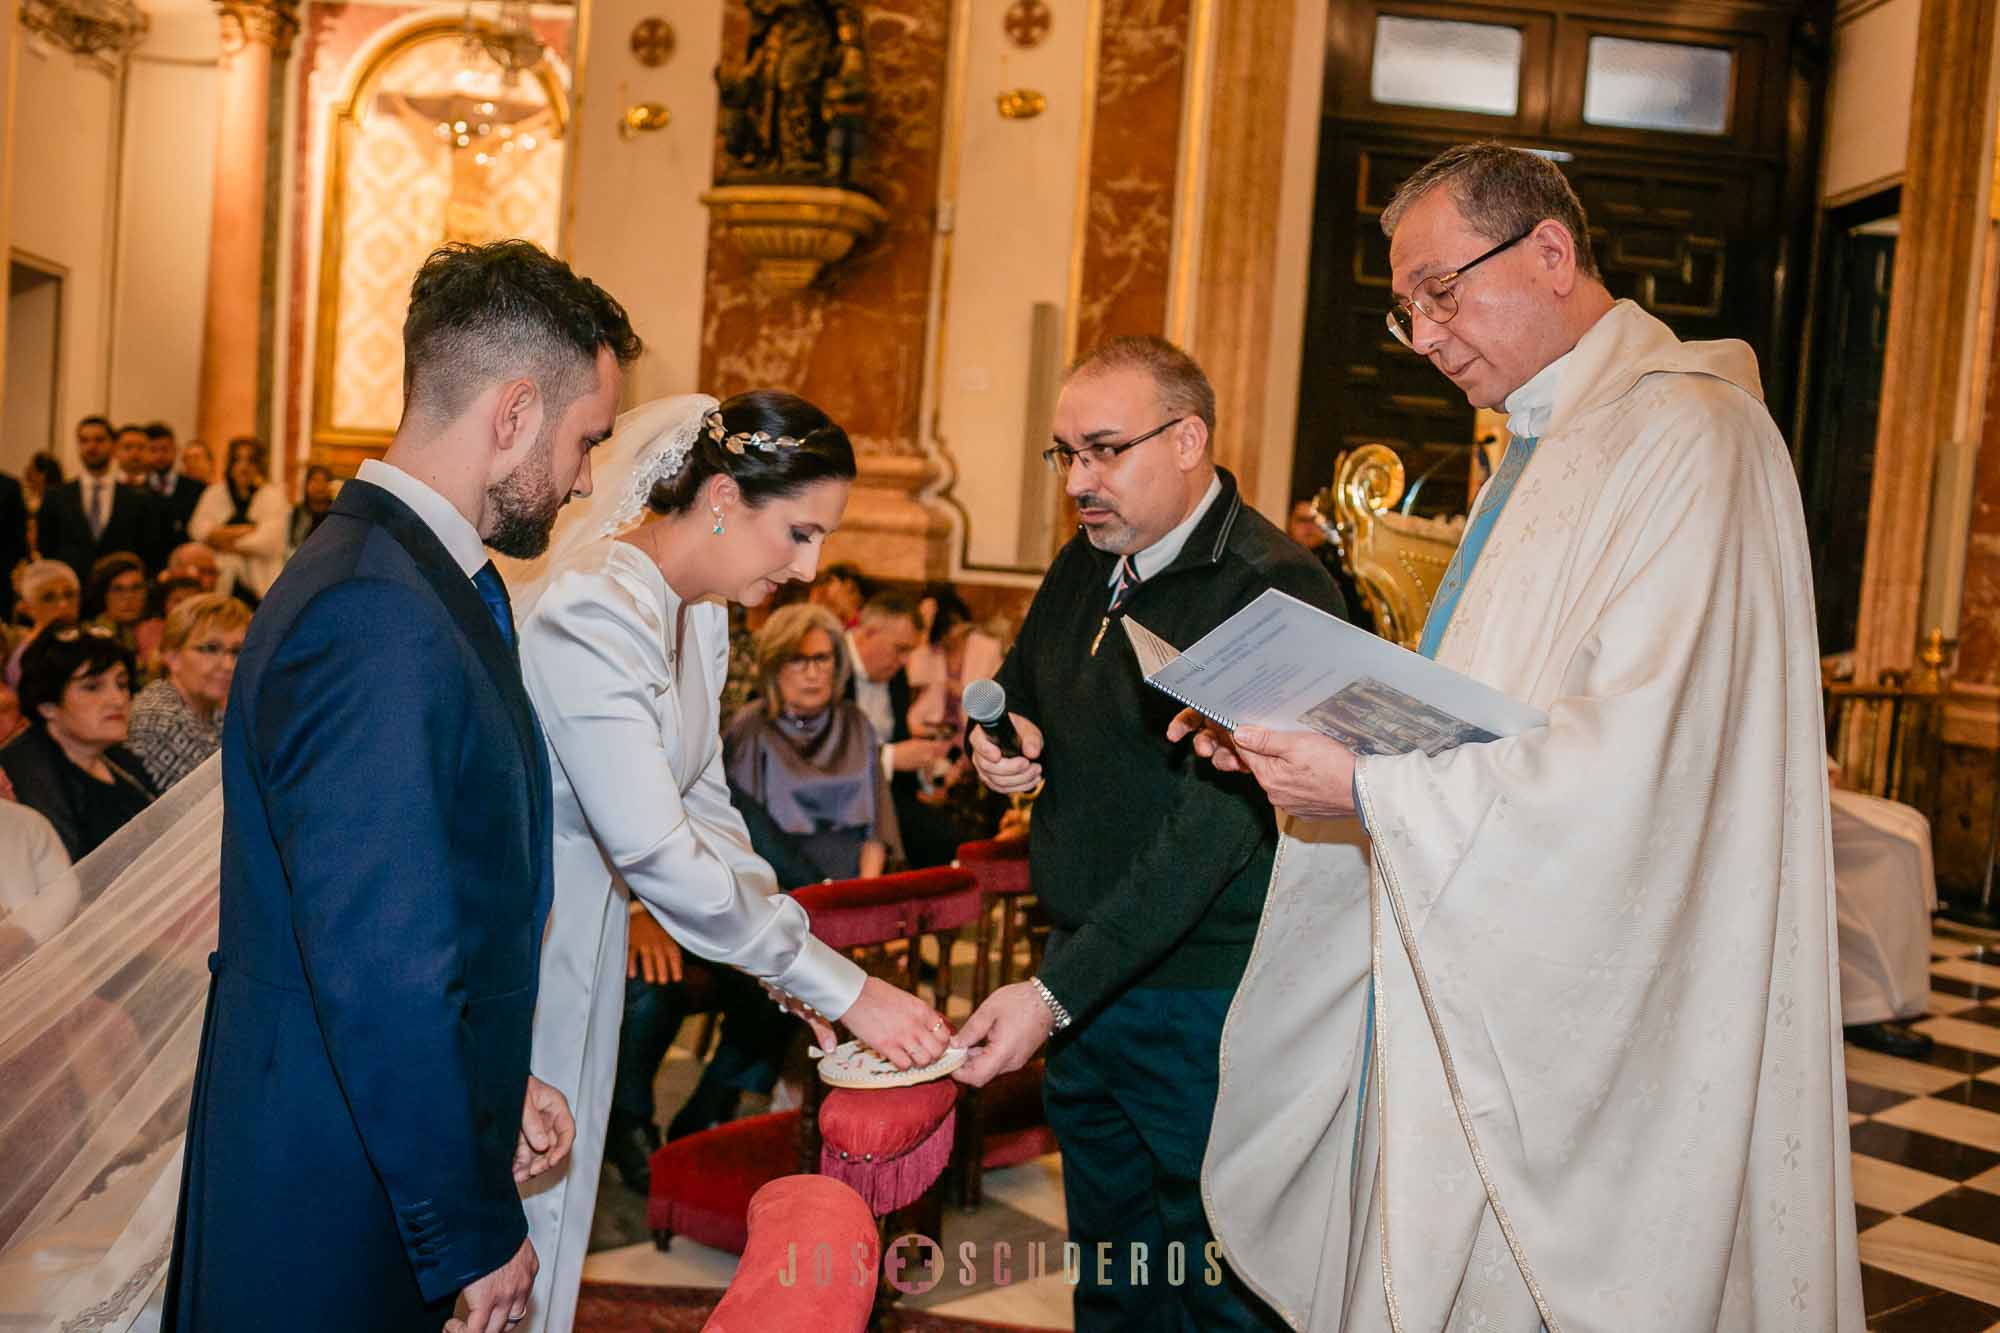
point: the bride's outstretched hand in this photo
(903, 1028)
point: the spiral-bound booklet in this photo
(1282, 663)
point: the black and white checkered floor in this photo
(1927, 1157)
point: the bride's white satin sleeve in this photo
(595, 663)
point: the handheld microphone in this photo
(986, 703)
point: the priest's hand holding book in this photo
(1304, 773)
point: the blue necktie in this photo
(1494, 499)
(494, 593)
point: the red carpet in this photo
(608, 1307)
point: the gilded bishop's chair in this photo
(1396, 559)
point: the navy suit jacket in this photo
(386, 874)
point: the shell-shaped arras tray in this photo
(852, 1065)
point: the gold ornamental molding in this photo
(791, 232)
(271, 23)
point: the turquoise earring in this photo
(718, 519)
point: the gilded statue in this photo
(796, 110)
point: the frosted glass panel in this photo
(1657, 86)
(1450, 66)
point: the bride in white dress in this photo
(624, 642)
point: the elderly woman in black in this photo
(71, 764)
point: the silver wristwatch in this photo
(1056, 1010)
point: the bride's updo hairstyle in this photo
(773, 444)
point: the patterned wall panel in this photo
(405, 188)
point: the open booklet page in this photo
(1283, 664)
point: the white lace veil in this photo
(649, 444)
(100, 1025)
(99, 1029)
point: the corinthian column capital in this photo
(268, 22)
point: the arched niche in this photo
(429, 144)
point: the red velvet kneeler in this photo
(703, 1184)
(890, 1144)
(818, 1233)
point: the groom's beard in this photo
(525, 502)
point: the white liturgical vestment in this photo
(1560, 1044)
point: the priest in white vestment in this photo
(1559, 1045)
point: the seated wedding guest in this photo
(943, 804)
(313, 506)
(952, 653)
(116, 597)
(167, 479)
(195, 561)
(49, 595)
(244, 519)
(198, 462)
(841, 589)
(177, 721)
(167, 594)
(879, 647)
(803, 762)
(38, 895)
(12, 723)
(71, 764)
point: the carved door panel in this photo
(1681, 242)
(1694, 207)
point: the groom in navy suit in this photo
(363, 1108)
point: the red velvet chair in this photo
(811, 1262)
(890, 1145)
(1004, 1123)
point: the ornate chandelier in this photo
(99, 32)
(509, 41)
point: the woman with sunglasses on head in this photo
(49, 595)
(71, 764)
(624, 643)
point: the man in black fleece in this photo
(1151, 865)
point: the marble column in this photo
(1239, 243)
(1933, 317)
(256, 34)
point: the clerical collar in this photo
(1530, 407)
(461, 540)
(1161, 553)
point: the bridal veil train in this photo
(99, 1031)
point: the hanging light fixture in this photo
(98, 32)
(509, 41)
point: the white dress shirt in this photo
(440, 515)
(1530, 407)
(97, 490)
(872, 698)
(1161, 553)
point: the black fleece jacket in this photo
(1152, 865)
